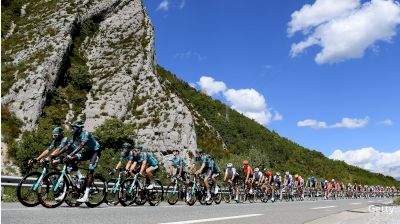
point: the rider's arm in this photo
(247, 175)
(180, 168)
(144, 163)
(202, 167)
(43, 154)
(192, 166)
(226, 175)
(78, 149)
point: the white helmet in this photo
(278, 174)
(287, 173)
(256, 169)
(229, 165)
(333, 180)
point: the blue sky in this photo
(322, 73)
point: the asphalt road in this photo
(280, 212)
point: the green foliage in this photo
(10, 125)
(246, 139)
(9, 10)
(396, 201)
(113, 133)
(78, 77)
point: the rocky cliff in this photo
(117, 56)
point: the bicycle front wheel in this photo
(113, 191)
(27, 189)
(97, 192)
(155, 195)
(173, 193)
(53, 190)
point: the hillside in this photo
(95, 60)
(246, 139)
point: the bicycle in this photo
(114, 188)
(28, 186)
(62, 184)
(134, 191)
(175, 191)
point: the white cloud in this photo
(344, 123)
(277, 116)
(387, 163)
(386, 122)
(344, 29)
(351, 123)
(163, 5)
(249, 102)
(321, 11)
(312, 123)
(210, 86)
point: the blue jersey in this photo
(177, 162)
(145, 156)
(203, 159)
(58, 144)
(91, 143)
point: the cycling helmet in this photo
(126, 145)
(78, 124)
(57, 131)
(333, 180)
(326, 181)
(138, 147)
(229, 165)
(287, 173)
(278, 174)
(256, 169)
(245, 162)
(295, 176)
(199, 150)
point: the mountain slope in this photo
(246, 139)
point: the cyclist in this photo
(257, 177)
(299, 184)
(205, 168)
(248, 175)
(232, 177)
(278, 181)
(179, 164)
(268, 182)
(147, 163)
(288, 183)
(125, 155)
(59, 142)
(90, 148)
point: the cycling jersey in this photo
(91, 143)
(289, 179)
(125, 155)
(58, 144)
(203, 159)
(246, 170)
(231, 172)
(177, 162)
(257, 176)
(216, 169)
(148, 157)
(268, 175)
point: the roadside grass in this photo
(9, 194)
(396, 201)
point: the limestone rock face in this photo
(121, 61)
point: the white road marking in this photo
(324, 207)
(357, 203)
(212, 219)
(370, 201)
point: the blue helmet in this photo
(57, 131)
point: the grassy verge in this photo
(9, 194)
(396, 201)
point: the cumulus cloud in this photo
(387, 163)
(210, 86)
(312, 123)
(346, 122)
(344, 29)
(249, 102)
(386, 122)
(163, 5)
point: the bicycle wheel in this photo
(227, 194)
(173, 193)
(97, 192)
(155, 195)
(128, 193)
(113, 191)
(218, 196)
(53, 190)
(27, 189)
(191, 196)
